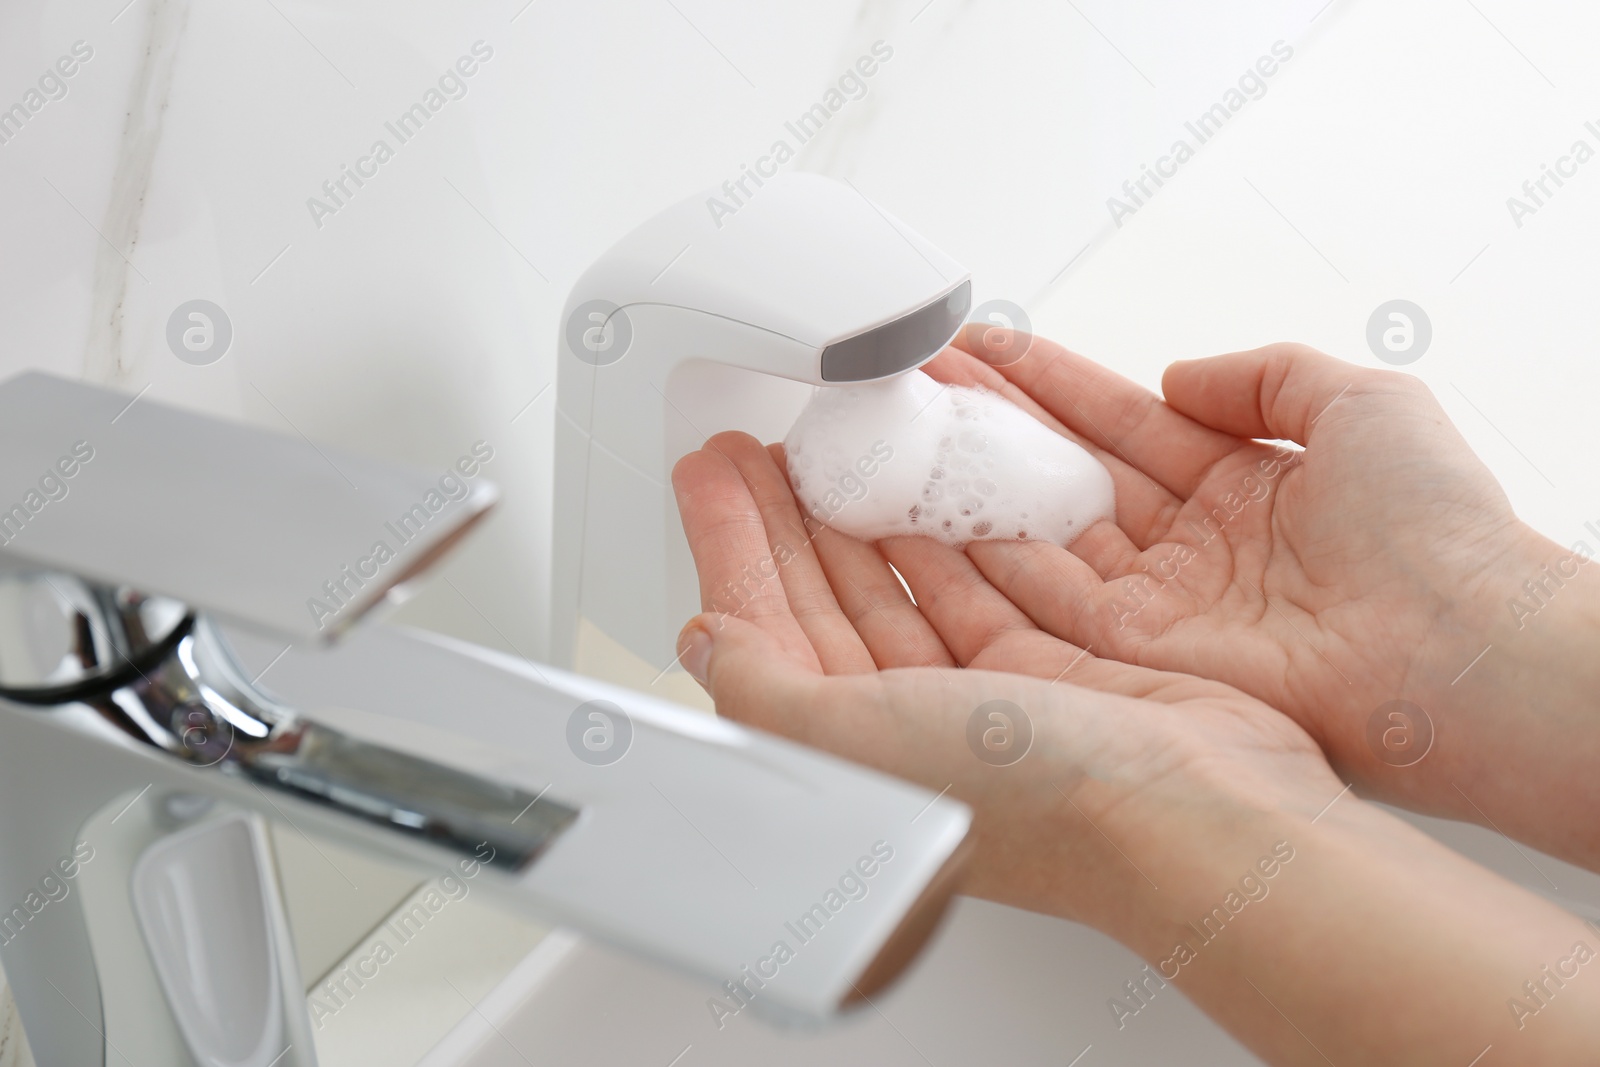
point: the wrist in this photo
(1208, 882)
(1511, 692)
(1378, 910)
(1185, 848)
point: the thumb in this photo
(747, 672)
(1280, 391)
(862, 717)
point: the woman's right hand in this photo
(1377, 565)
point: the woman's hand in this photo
(1376, 565)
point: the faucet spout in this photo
(585, 804)
(213, 715)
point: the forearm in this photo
(1368, 943)
(1512, 691)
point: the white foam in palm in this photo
(911, 456)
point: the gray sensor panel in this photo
(901, 344)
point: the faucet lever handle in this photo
(262, 529)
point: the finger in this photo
(1107, 550)
(1035, 654)
(979, 624)
(735, 564)
(1052, 586)
(1144, 508)
(966, 611)
(902, 722)
(1279, 391)
(875, 602)
(1040, 655)
(908, 723)
(1104, 407)
(743, 666)
(811, 601)
(1064, 598)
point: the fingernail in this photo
(694, 652)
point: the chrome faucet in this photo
(143, 535)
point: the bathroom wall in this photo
(1383, 165)
(412, 315)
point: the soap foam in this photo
(957, 463)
